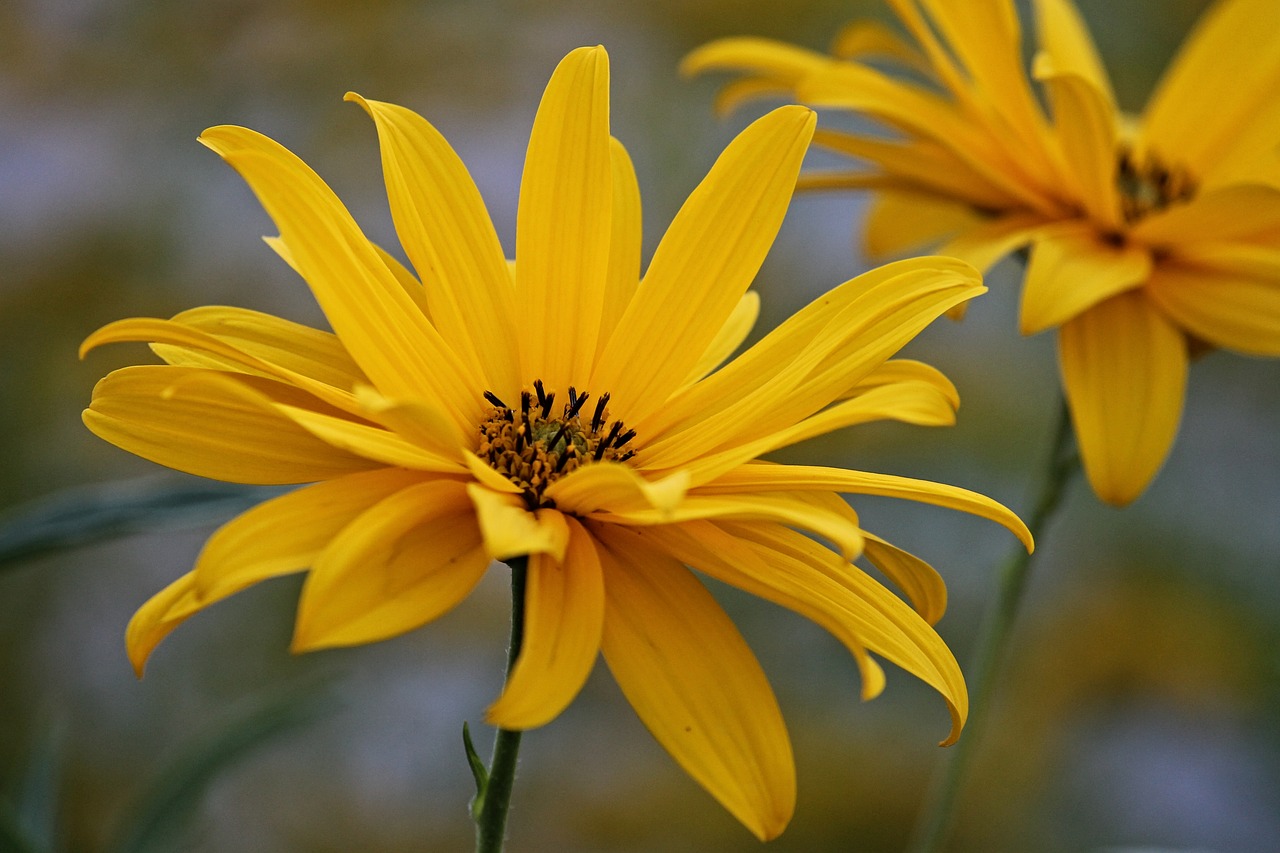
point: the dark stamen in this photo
(542, 395)
(613, 433)
(624, 457)
(551, 446)
(597, 420)
(625, 437)
(493, 398)
(575, 404)
(564, 458)
(525, 401)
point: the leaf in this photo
(477, 770)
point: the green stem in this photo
(939, 809)
(491, 822)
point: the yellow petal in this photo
(918, 580)
(789, 510)
(807, 362)
(765, 476)
(152, 623)
(1224, 77)
(564, 222)
(614, 486)
(1085, 126)
(448, 235)
(415, 420)
(1231, 299)
(985, 244)
(624, 243)
(382, 328)
(704, 263)
(403, 562)
(209, 430)
(563, 620)
(1231, 213)
(407, 280)
(861, 39)
(730, 337)
(1124, 370)
(775, 60)
(692, 680)
(373, 442)
(897, 370)
(899, 222)
(1063, 36)
(1072, 271)
(287, 533)
(512, 530)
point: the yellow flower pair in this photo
(566, 409)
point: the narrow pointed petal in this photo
(408, 282)
(1230, 297)
(207, 431)
(447, 233)
(692, 680)
(400, 564)
(1071, 272)
(766, 476)
(918, 580)
(612, 487)
(418, 421)
(624, 243)
(512, 530)
(705, 262)
(1062, 34)
(564, 223)
(775, 60)
(1124, 370)
(564, 617)
(1223, 78)
(900, 221)
(287, 534)
(861, 39)
(730, 337)
(382, 328)
(985, 244)
(152, 623)
(1085, 126)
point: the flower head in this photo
(1148, 235)
(561, 409)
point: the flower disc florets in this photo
(533, 448)
(1148, 185)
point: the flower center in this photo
(1148, 185)
(532, 447)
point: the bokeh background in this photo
(1141, 705)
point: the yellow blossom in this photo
(1150, 236)
(564, 409)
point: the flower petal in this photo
(918, 580)
(1124, 370)
(775, 60)
(209, 430)
(692, 680)
(1222, 80)
(901, 221)
(1063, 35)
(730, 337)
(512, 530)
(767, 476)
(152, 623)
(563, 224)
(704, 263)
(986, 243)
(624, 243)
(1072, 271)
(563, 620)
(613, 486)
(1231, 213)
(1230, 298)
(400, 564)
(382, 328)
(447, 233)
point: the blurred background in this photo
(1141, 706)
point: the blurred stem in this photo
(935, 819)
(491, 822)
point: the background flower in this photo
(1150, 236)
(1144, 711)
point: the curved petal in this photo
(152, 623)
(1223, 78)
(775, 60)
(692, 680)
(156, 412)
(704, 263)
(624, 243)
(563, 224)
(287, 533)
(447, 233)
(1072, 271)
(1231, 213)
(563, 621)
(918, 580)
(1124, 370)
(398, 565)
(613, 486)
(408, 281)
(382, 328)
(730, 337)
(511, 529)
(985, 244)
(898, 222)
(1230, 298)
(767, 476)
(1063, 35)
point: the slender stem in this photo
(491, 823)
(939, 809)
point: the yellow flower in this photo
(1148, 235)
(560, 408)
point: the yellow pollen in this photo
(533, 447)
(1148, 185)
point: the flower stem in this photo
(491, 821)
(935, 819)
